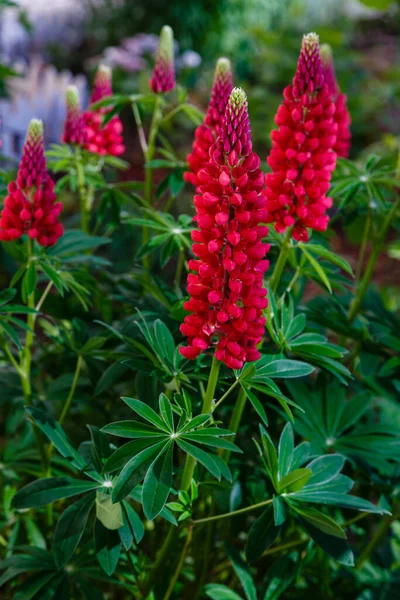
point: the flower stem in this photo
(364, 243)
(370, 268)
(206, 409)
(233, 513)
(380, 534)
(69, 399)
(179, 565)
(44, 296)
(178, 272)
(281, 262)
(228, 391)
(235, 420)
(82, 191)
(139, 125)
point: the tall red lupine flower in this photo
(342, 115)
(74, 126)
(302, 157)
(227, 297)
(163, 77)
(31, 206)
(102, 139)
(206, 134)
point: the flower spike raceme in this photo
(207, 133)
(163, 77)
(302, 156)
(74, 126)
(342, 115)
(30, 207)
(227, 297)
(102, 139)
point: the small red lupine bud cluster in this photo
(74, 126)
(163, 77)
(30, 207)
(227, 295)
(302, 157)
(342, 115)
(207, 133)
(102, 139)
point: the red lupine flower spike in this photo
(226, 288)
(342, 115)
(207, 133)
(102, 139)
(31, 206)
(163, 77)
(102, 86)
(302, 157)
(74, 126)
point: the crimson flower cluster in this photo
(102, 139)
(30, 207)
(163, 76)
(227, 297)
(342, 115)
(207, 133)
(74, 126)
(302, 157)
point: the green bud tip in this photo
(223, 67)
(326, 53)
(104, 71)
(166, 44)
(72, 97)
(35, 130)
(237, 98)
(310, 43)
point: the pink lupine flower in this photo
(226, 289)
(30, 207)
(207, 133)
(163, 77)
(302, 157)
(342, 115)
(102, 139)
(74, 126)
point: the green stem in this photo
(159, 561)
(235, 420)
(370, 268)
(364, 242)
(281, 262)
(228, 391)
(206, 409)
(139, 124)
(69, 399)
(44, 296)
(179, 565)
(380, 534)
(82, 191)
(233, 513)
(178, 272)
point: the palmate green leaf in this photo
(107, 512)
(216, 591)
(57, 436)
(317, 267)
(285, 451)
(337, 499)
(147, 413)
(331, 256)
(132, 519)
(334, 546)
(204, 458)
(262, 535)
(38, 583)
(320, 521)
(70, 528)
(294, 481)
(202, 436)
(325, 468)
(157, 484)
(280, 510)
(47, 490)
(256, 404)
(135, 470)
(75, 242)
(133, 429)
(120, 457)
(166, 412)
(270, 366)
(242, 572)
(271, 456)
(108, 547)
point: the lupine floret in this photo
(74, 126)
(163, 77)
(226, 290)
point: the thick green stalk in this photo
(179, 566)
(370, 268)
(178, 272)
(380, 534)
(82, 191)
(233, 513)
(235, 419)
(281, 262)
(206, 409)
(364, 242)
